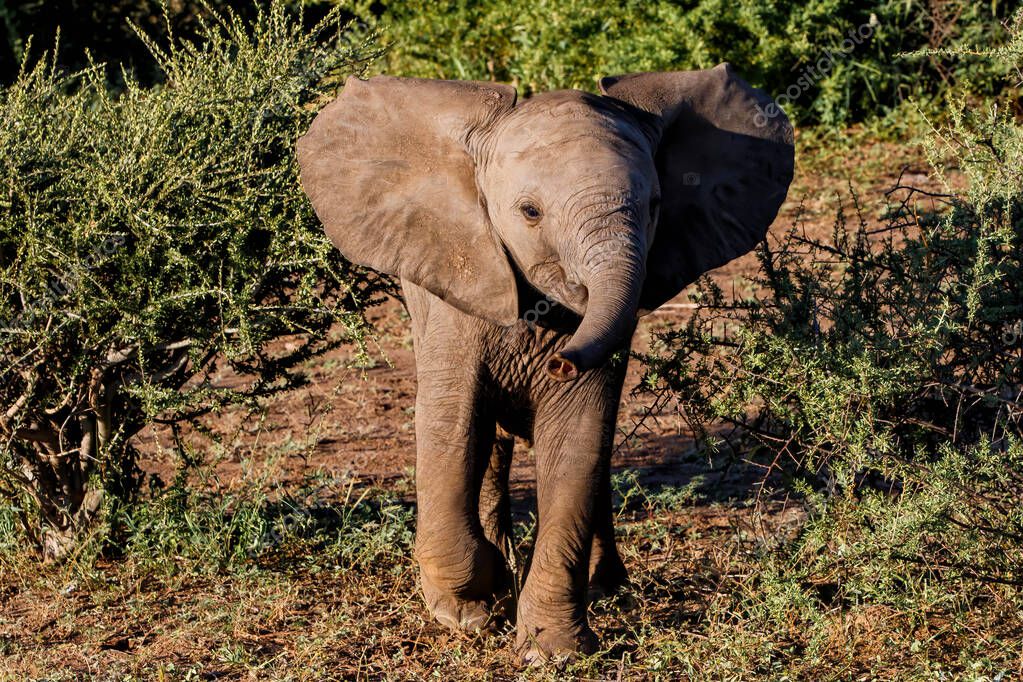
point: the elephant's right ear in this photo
(388, 168)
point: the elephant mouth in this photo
(575, 296)
(550, 278)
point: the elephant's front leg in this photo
(572, 442)
(464, 575)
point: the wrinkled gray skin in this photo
(489, 210)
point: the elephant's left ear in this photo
(725, 160)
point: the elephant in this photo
(529, 237)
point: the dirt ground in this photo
(356, 423)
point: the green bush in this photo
(548, 44)
(882, 370)
(153, 246)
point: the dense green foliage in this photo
(153, 243)
(796, 48)
(830, 61)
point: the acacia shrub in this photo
(881, 370)
(152, 240)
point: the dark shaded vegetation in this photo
(79, 33)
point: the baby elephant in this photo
(529, 236)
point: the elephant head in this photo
(607, 204)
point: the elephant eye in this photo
(530, 212)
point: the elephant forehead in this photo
(564, 117)
(567, 101)
(568, 153)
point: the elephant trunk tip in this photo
(563, 367)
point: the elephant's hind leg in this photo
(495, 513)
(607, 570)
(495, 503)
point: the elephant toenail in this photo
(476, 622)
(447, 621)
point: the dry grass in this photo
(699, 608)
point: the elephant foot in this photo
(608, 576)
(556, 647)
(465, 616)
(478, 605)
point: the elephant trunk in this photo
(614, 285)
